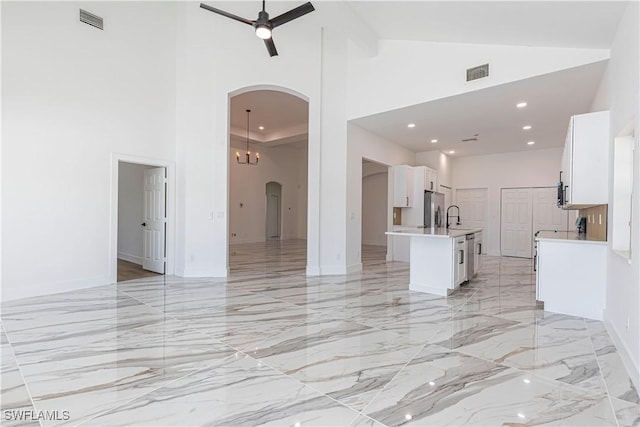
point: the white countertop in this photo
(567, 236)
(435, 232)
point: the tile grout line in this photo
(24, 382)
(604, 382)
(237, 351)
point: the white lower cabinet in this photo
(571, 277)
(459, 260)
(477, 251)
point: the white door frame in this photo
(116, 158)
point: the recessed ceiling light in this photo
(527, 380)
(433, 141)
(261, 127)
(431, 383)
(521, 104)
(452, 152)
(531, 142)
(411, 125)
(408, 417)
(521, 415)
(527, 127)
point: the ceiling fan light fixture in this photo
(263, 31)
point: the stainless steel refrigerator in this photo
(433, 209)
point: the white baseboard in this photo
(10, 293)
(632, 369)
(333, 270)
(131, 258)
(354, 268)
(430, 290)
(313, 270)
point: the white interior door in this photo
(154, 221)
(473, 208)
(274, 191)
(546, 214)
(515, 222)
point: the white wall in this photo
(71, 96)
(285, 164)
(623, 278)
(130, 211)
(363, 144)
(425, 71)
(535, 168)
(374, 208)
(208, 74)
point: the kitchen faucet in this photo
(456, 216)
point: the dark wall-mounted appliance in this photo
(561, 195)
(581, 225)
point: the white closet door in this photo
(516, 222)
(473, 207)
(546, 214)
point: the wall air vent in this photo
(478, 72)
(472, 139)
(91, 19)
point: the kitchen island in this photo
(438, 257)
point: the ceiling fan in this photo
(263, 25)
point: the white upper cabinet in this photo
(402, 186)
(585, 160)
(430, 180)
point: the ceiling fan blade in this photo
(292, 14)
(227, 14)
(271, 47)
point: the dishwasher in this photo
(470, 239)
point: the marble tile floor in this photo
(270, 346)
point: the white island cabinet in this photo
(571, 274)
(477, 251)
(437, 259)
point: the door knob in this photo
(144, 224)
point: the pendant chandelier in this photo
(247, 154)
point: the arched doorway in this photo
(277, 128)
(274, 195)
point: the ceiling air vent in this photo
(91, 19)
(478, 72)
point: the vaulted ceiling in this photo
(490, 113)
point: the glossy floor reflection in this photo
(270, 346)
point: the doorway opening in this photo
(268, 199)
(375, 207)
(142, 221)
